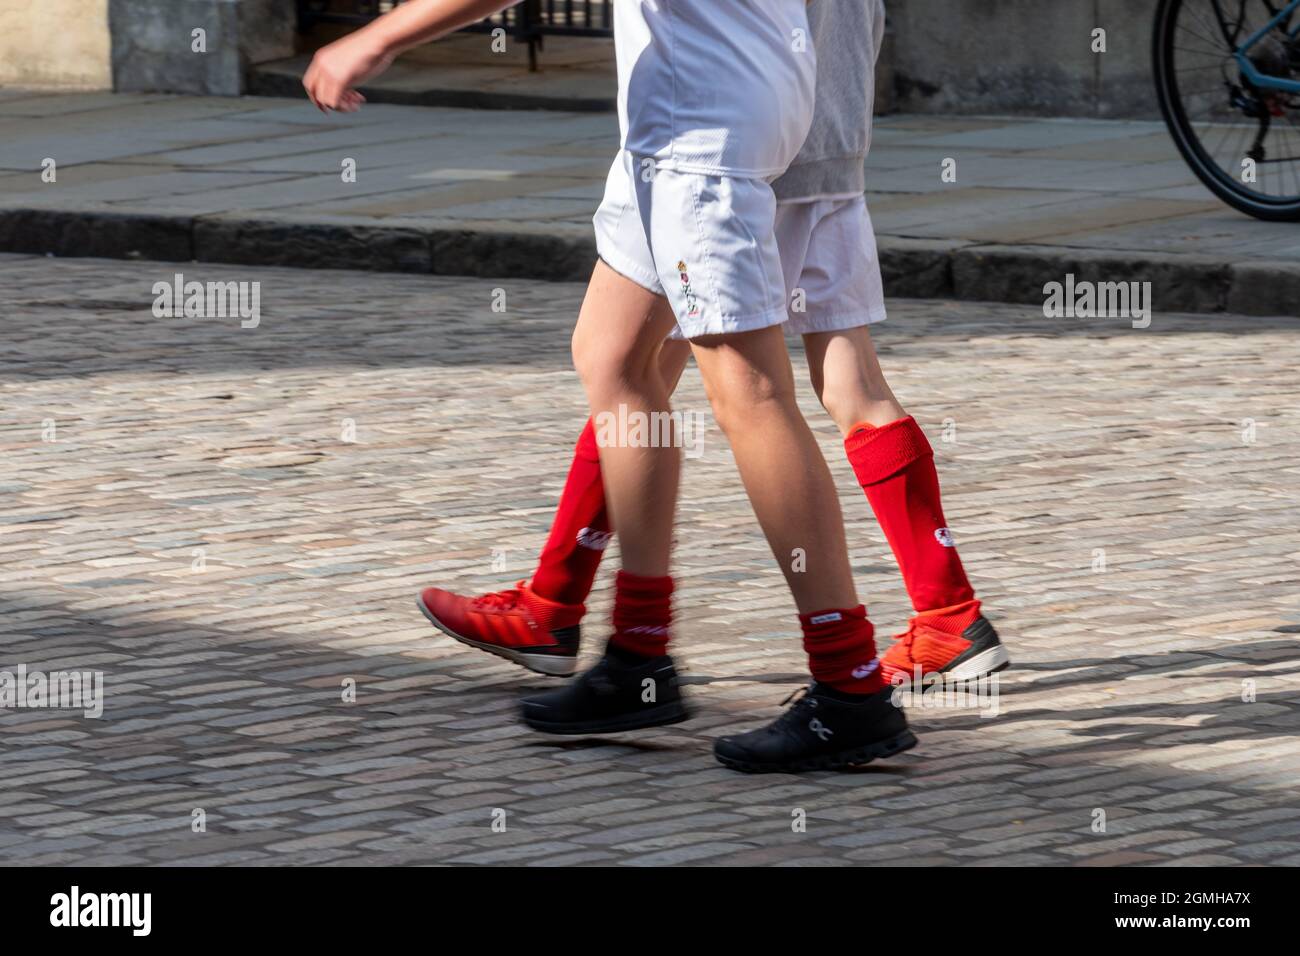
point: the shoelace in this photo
(799, 692)
(506, 600)
(802, 705)
(907, 637)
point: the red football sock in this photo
(643, 611)
(952, 620)
(841, 650)
(895, 466)
(580, 531)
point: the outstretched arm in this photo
(336, 69)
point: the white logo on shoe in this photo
(594, 540)
(821, 730)
(944, 537)
(865, 670)
(827, 618)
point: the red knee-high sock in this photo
(841, 650)
(895, 466)
(643, 611)
(580, 531)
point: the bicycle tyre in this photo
(1216, 179)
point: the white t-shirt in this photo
(721, 87)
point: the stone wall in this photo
(154, 43)
(1023, 56)
(945, 56)
(55, 43)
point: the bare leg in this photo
(846, 376)
(894, 463)
(616, 349)
(511, 623)
(751, 387)
(673, 356)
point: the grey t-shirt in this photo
(846, 35)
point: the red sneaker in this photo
(942, 643)
(515, 624)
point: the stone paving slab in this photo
(231, 524)
(514, 191)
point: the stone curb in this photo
(1179, 282)
(912, 268)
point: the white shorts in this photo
(706, 242)
(831, 264)
(731, 252)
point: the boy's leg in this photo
(847, 379)
(621, 327)
(713, 252)
(750, 384)
(536, 623)
(566, 568)
(615, 349)
(894, 463)
(847, 716)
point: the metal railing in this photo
(528, 22)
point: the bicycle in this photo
(1228, 80)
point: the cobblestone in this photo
(186, 511)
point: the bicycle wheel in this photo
(1241, 141)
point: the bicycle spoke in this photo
(1213, 34)
(1295, 165)
(1220, 109)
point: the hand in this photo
(344, 64)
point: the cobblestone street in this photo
(232, 525)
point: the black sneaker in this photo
(621, 692)
(824, 730)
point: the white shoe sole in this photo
(552, 665)
(981, 665)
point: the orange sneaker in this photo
(516, 624)
(940, 642)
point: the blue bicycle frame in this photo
(1248, 69)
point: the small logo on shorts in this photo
(692, 303)
(944, 537)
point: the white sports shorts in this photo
(831, 264)
(729, 258)
(704, 241)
